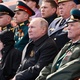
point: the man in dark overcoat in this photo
(38, 53)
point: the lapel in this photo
(72, 53)
(58, 27)
(59, 55)
(24, 50)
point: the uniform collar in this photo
(41, 40)
(7, 27)
(51, 18)
(77, 42)
(24, 23)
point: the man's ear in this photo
(26, 16)
(54, 10)
(8, 18)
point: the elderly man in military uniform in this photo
(6, 15)
(66, 65)
(21, 17)
(57, 29)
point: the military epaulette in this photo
(69, 42)
(3, 31)
(4, 28)
(57, 18)
(22, 24)
(11, 29)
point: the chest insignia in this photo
(32, 53)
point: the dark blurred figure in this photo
(11, 57)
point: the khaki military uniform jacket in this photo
(69, 67)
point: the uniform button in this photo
(54, 38)
(57, 64)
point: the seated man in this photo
(21, 17)
(38, 53)
(10, 57)
(48, 10)
(58, 29)
(66, 65)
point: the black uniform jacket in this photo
(38, 54)
(11, 60)
(51, 18)
(58, 32)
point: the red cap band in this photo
(25, 9)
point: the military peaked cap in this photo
(5, 10)
(22, 6)
(59, 1)
(75, 15)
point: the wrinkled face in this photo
(64, 8)
(3, 20)
(1, 45)
(46, 9)
(35, 30)
(20, 16)
(74, 30)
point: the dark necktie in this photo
(62, 22)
